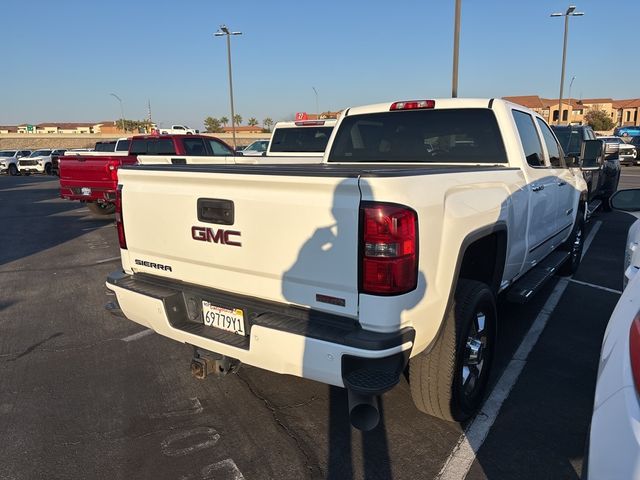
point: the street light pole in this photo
(569, 13)
(317, 108)
(225, 31)
(121, 110)
(456, 49)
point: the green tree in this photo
(268, 123)
(598, 120)
(252, 122)
(224, 120)
(237, 119)
(212, 125)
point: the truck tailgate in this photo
(87, 170)
(290, 239)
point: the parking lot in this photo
(89, 395)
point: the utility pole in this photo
(456, 49)
(224, 31)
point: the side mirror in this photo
(197, 131)
(627, 200)
(591, 155)
(572, 161)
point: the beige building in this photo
(621, 112)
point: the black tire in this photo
(574, 245)
(26, 174)
(437, 377)
(47, 169)
(101, 208)
(13, 170)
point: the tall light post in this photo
(222, 32)
(317, 108)
(121, 110)
(569, 96)
(569, 13)
(456, 49)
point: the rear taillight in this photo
(634, 350)
(119, 220)
(413, 105)
(388, 249)
(112, 169)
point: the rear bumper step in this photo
(335, 349)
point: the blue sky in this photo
(62, 59)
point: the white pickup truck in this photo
(389, 254)
(302, 138)
(177, 130)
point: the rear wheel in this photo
(574, 245)
(101, 208)
(449, 381)
(13, 170)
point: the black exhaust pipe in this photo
(363, 411)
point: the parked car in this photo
(55, 155)
(304, 138)
(629, 131)
(614, 441)
(92, 177)
(259, 147)
(391, 250)
(38, 162)
(635, 141)
(603, 178)
(615, 146)
(9, 160)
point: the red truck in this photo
(92, 177)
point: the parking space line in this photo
(137, 336)
(463, 455)
(107, 260)
(599, 287)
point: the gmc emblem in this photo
(208, 234)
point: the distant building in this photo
(621, 112)
(8, 129)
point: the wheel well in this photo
(484, 260)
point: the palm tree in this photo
(268, 123)
(252, 122)
(237, 119)
(224, 121)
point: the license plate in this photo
(230, 320)
(85, 191)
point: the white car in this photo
(9, 160)
(625, 151)
(177, 130)
(614, 440)
(38, 162)
(257, 148)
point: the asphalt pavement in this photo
(88, 395)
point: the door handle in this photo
(561, 183)
(537, 188)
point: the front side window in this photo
(555, 156)
(7, 153)
(219, 149)
(466, 135)
(529, 138)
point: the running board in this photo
(532, 281)
(593, 206)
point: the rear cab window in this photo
(529, 138)
(301, 139)
(152, 146)
(458, 135)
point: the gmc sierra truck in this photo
(389, 254)
(92, 177)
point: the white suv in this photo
(9, 160)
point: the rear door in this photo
(244, 229)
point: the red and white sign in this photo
(301, 116)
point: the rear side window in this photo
(429, 136)
(122, 146)
(194, 146)
(555, 157)
(301, 139)
(218, 148)
(152, 146)
(105, 146)
(529, 138)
